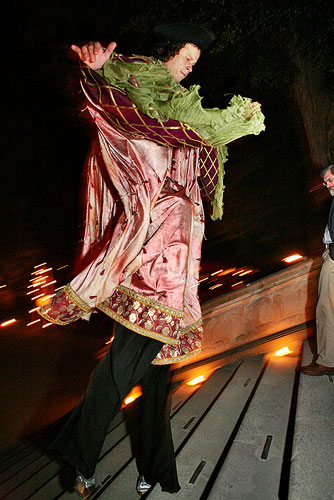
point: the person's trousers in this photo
(325, 313)
(127, 362)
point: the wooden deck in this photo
(255, 429)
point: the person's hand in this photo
(93, 53)
(252, 108)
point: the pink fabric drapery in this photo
(142, 242)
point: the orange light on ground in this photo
(8, 322)
(292, 258)
(132, 396)
(197, 380)
(283, 352)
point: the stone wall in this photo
(270, 305)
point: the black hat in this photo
(186, 32)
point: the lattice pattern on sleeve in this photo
(120, 111)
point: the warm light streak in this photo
(215, 286)
(238, 283)
(47, 297)
(35, 272)
(46, 325)
(238, 272)
(37, 296)
(227, 271)
(292, 258)
(246, 272)
(283, 352)
(50, 283)
(216, 272)
(3, 286)
(38, 280)
(31, 291)
(197, 380)
(110, 340)
(39, 265)
(42, 271)
(203, 279)
(8, 322)
(132, 396)
(193, 286)
(37, 284)
(41, 302)
(33, 310)
(62, 267)
(33, 322)
(56, 289)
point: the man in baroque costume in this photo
(143, 235)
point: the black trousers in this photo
(127, 363)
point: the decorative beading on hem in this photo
(50, 319)
(188, 344)
(191, 328)
(135, 328)
(152, 303)
(62, 310)
(74, 297)
(143, 315)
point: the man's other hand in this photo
(93, 54)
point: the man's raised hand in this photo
(93, 55)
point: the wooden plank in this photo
(182, 423)
(197, 459)
(311, 476)
(253, 466)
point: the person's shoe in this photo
(142, 486)
(316, 370)
(84, 487)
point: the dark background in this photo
(274, 202)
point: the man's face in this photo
(182, 63)
(328, 181)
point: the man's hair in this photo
(324, 169)
(166, 50)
